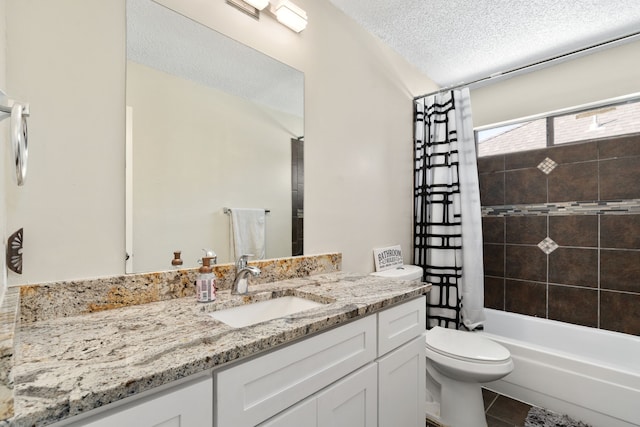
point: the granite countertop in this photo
(66, 366)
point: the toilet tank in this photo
(403, 272)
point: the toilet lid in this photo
(465, 345)
(404, 272)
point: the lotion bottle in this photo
(206, 282)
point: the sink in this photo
(250, 314)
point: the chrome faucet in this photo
(241, 282)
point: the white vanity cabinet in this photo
(187, 405)
(370, 372)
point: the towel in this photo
(248, 232)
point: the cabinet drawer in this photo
(251, 392)
(400, 324)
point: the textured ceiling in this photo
(169, 42)
(458, 41)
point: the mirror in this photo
(210, 124)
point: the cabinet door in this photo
(254, 391)
(304, 414)
(402, 386)
(351, 402)
(185, 406)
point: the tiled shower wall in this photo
(561, 232)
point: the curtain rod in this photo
(501, 74)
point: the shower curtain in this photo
(447, 216)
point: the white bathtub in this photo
(589, 374)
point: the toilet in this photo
(458, 362)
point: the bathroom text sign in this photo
(387, 258)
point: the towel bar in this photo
(228, 210)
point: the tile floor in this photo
(500, 411)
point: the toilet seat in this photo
(465, 346)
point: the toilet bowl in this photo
(457, 363)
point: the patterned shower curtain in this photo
(447, 217)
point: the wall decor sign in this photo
(388, 258)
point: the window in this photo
(561, 128)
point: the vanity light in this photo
(258, 4)
(287, 13)
(246, 7)
(290, 15)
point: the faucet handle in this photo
(242, 261)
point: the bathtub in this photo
(589, 374)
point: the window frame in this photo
(550, 120)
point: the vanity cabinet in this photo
(187, 405)
(370, 372)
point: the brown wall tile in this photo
(526, 263)
(525, 159)
(574, 230)
(619, 178)
(573, 266)
(620, 231)
(526, 229)
(525, 186)
(575, 262)
(573, 153)
(620, 270)
(526, 298)
(574, 182)
(491, 189)
(619, 312)
(491, 164)
(493, 229)
(619, 147)
(493, 258)
(494, 292)
(573, 305)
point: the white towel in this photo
(248, 232)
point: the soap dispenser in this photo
(206, 282)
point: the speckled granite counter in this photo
(68, 365)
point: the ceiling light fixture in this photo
(290, 15)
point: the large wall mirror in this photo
(210, 124)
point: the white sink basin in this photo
(250, 314)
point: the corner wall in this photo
(601, 75)
(4, 148)
(67, 59)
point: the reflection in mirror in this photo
(210, 124)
